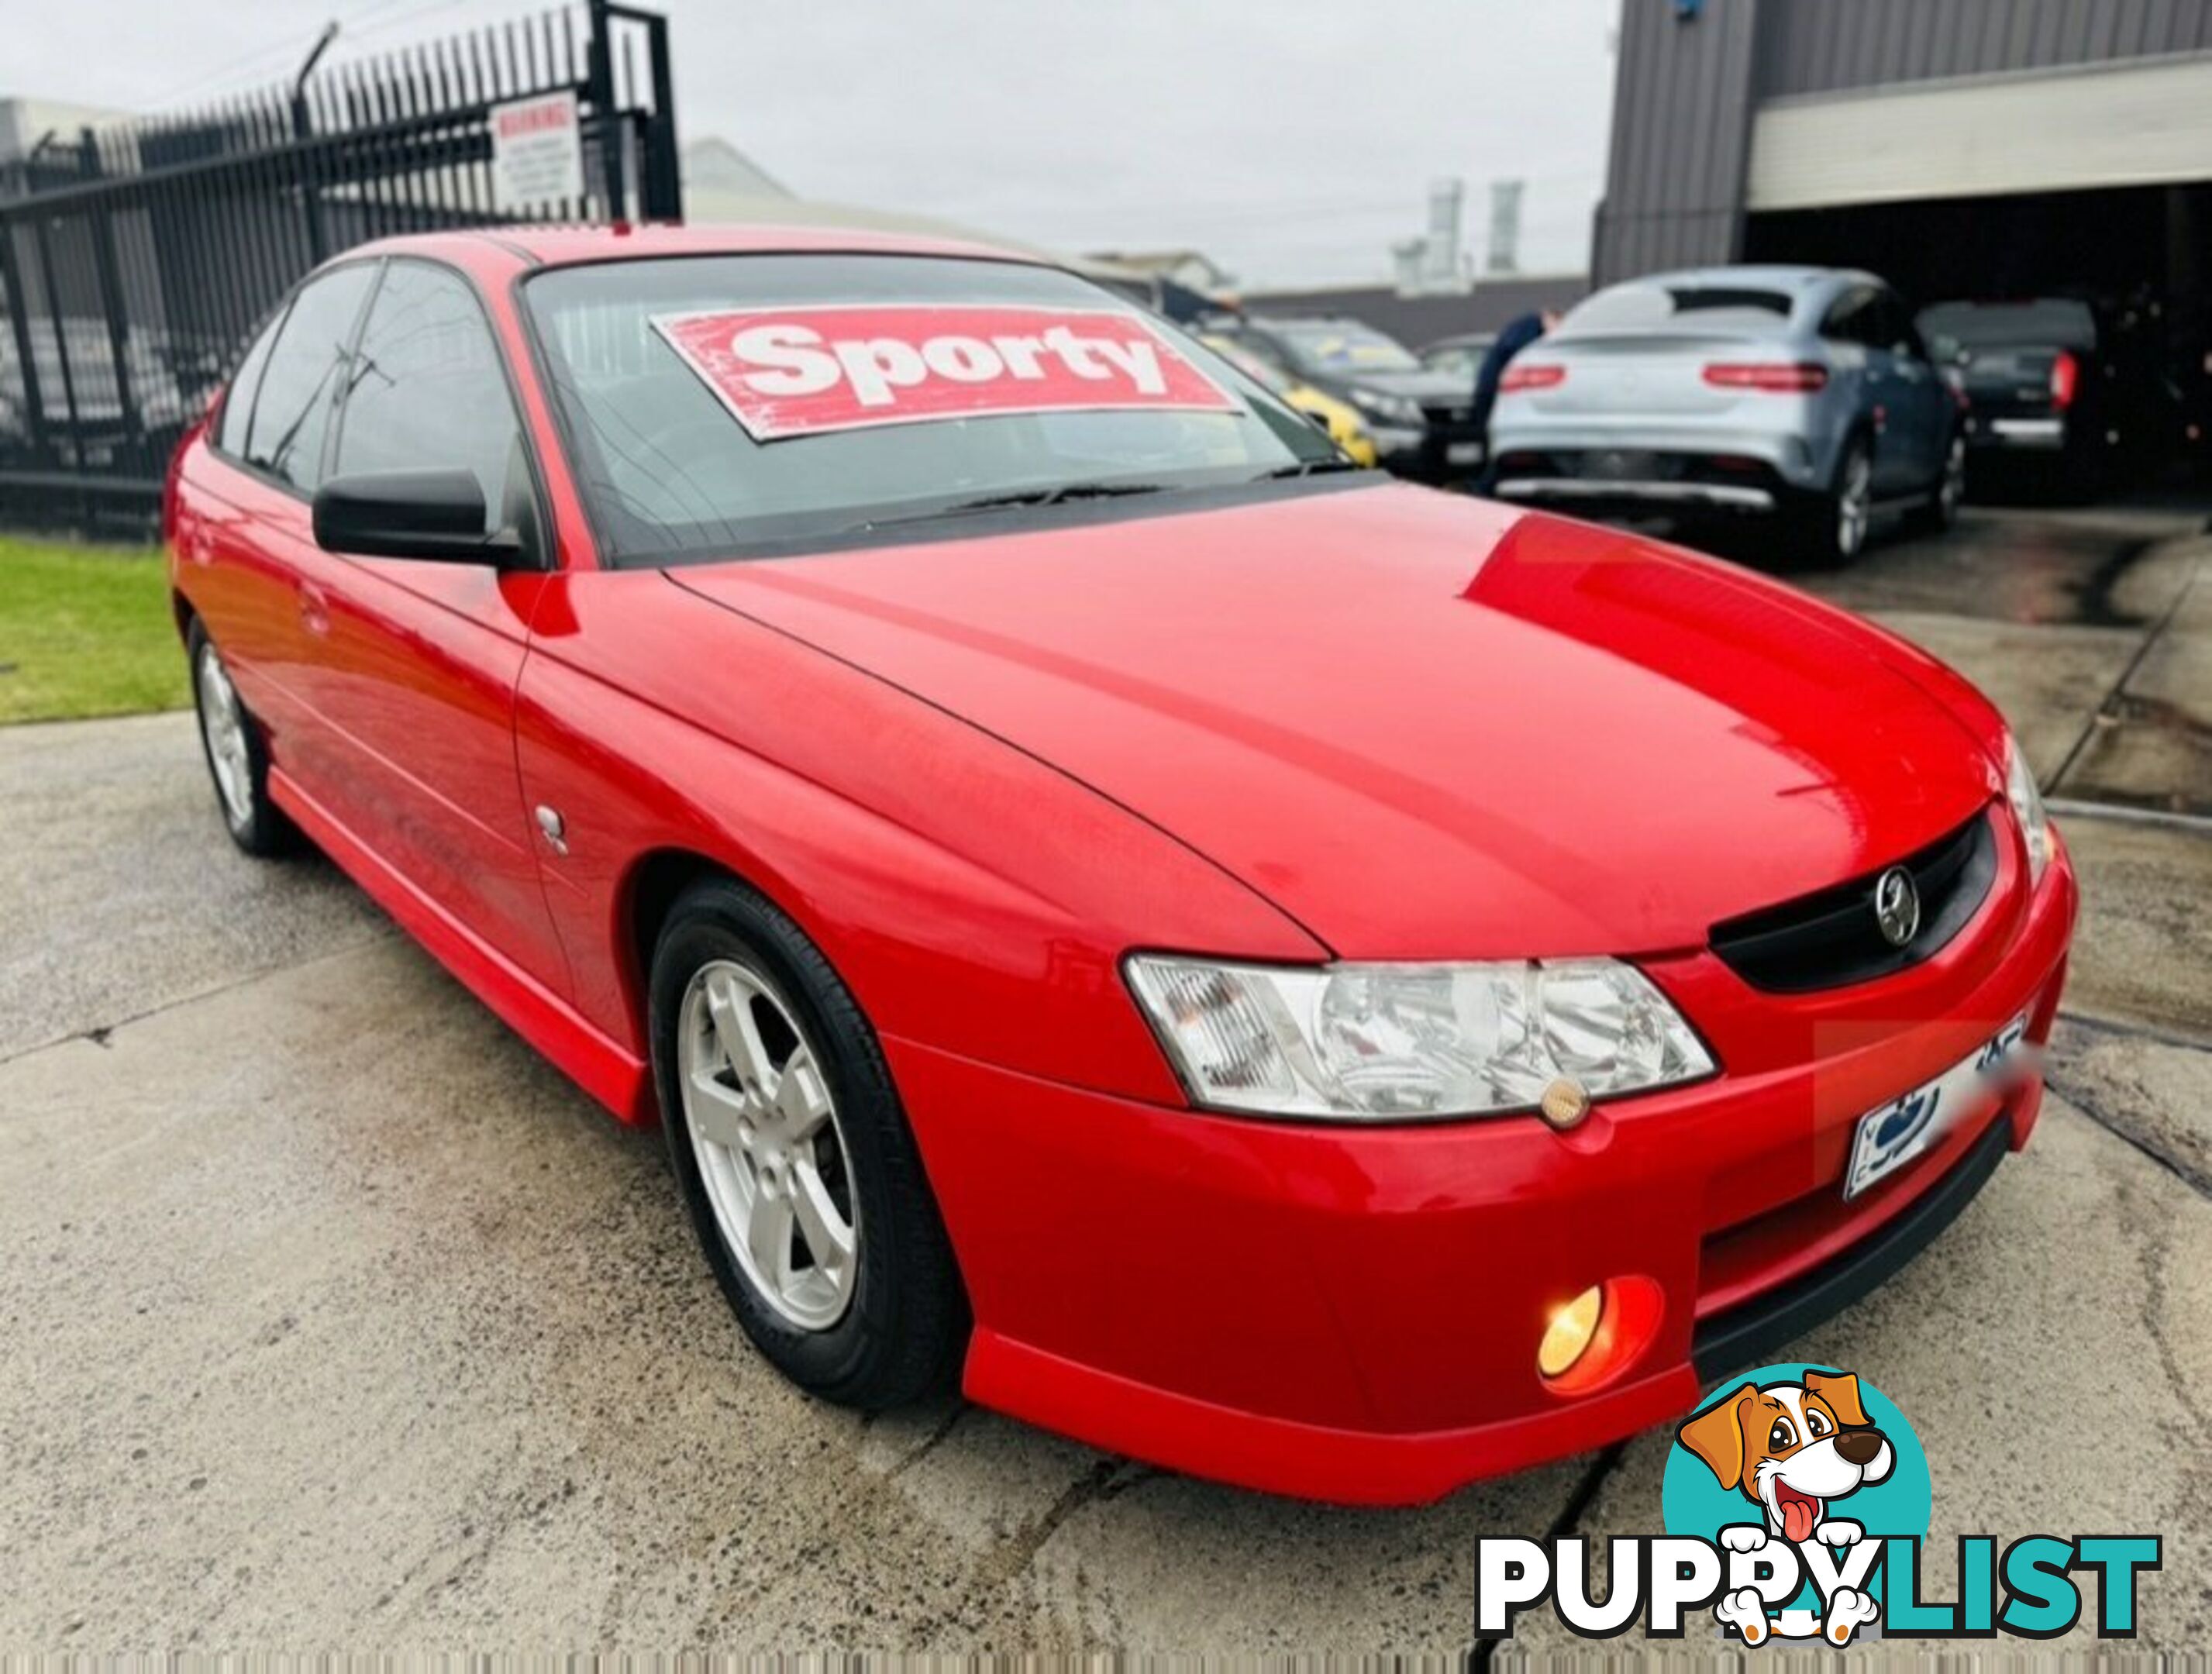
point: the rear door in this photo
(422, 657)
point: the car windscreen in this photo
(1642, 306)
(1341, 348)
(716, 404)
(2047, 323)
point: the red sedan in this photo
(1310, 980)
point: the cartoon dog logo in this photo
(1793, 1450)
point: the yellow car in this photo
(1339, 418)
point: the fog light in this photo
(1568, 1336)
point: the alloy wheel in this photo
(223, 724)
(1854, 504)
(764, 1129)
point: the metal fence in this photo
(137, 259)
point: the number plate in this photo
(1463, 453)
(1615, 465)
(1892, 1135)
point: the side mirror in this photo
(433, 514)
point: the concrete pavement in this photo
(334, 1318)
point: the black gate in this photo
(136, 259)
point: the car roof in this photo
(1773, 276)
(557, 246)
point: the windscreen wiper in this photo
(1057, 496)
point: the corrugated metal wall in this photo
(1829, 45)
(1681, 126)
(1685, 90)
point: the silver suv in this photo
(1801, 394)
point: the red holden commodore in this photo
(1314, 981)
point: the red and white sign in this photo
(802, 370)
(537, 154)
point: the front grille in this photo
(1830, 938)
(1452, 417)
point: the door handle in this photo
(314, 609)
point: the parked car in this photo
(1458, 357)
(2037, 379)
(1803, 395)
(1253, 965)
(1339, 420)
(1422, 421)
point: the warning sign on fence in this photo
(537, 154)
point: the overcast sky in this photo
(1293, 140)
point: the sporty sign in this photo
(796, 371)
(1072, 865)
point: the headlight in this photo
(2027, 808)
(1392, 1042)
(1396, 409)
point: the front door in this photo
(420, 659)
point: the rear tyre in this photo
(797, 1166)
(1830, 530)
(1942, 510)
(237, 759)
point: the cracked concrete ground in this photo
(332, 1317)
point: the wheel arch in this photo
(654, 883)
(1861, 428)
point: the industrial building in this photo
(1961, 148)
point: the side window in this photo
(1898, 330)
(427, 392)
(238, 402)
(292, 406)
(1852, 320)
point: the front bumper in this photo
(1352, 1314)
(1429, 454)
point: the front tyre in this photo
(237, 758)
(796, 1163)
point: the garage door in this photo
(2133, 125)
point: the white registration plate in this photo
(1893, 1134)
(1463, 453)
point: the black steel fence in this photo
(136, 259)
